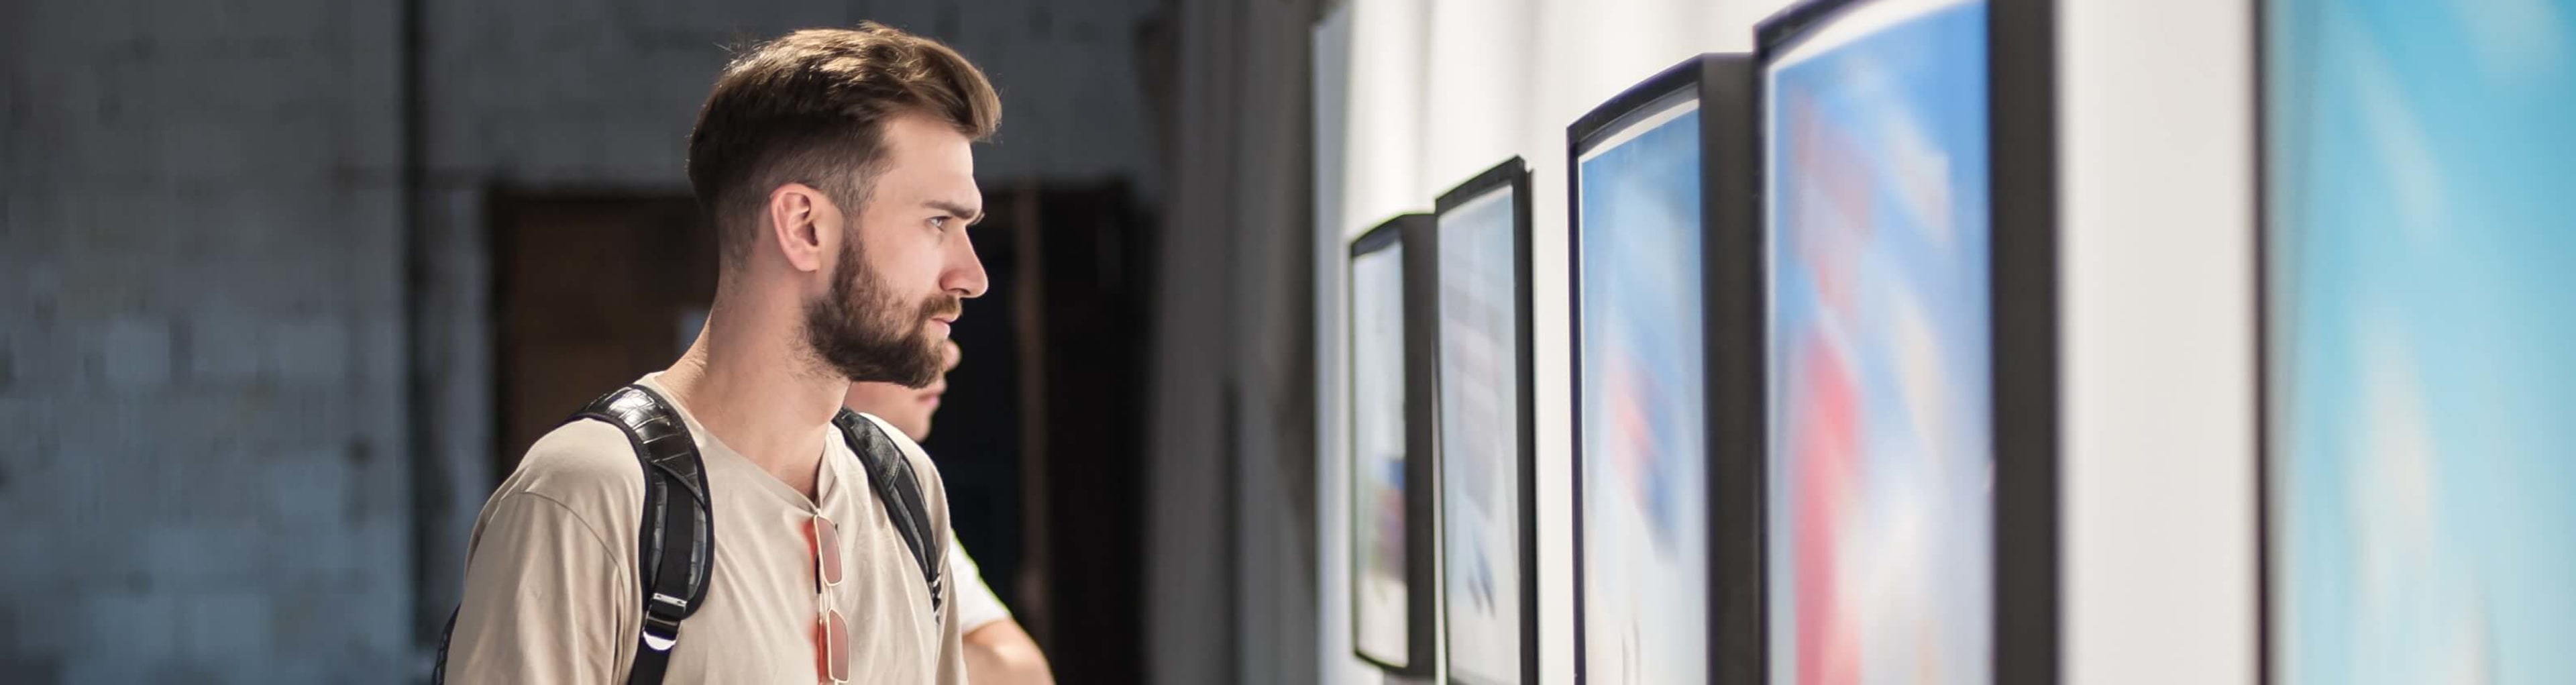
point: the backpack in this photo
(676, 547)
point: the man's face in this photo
(908, 409)
(905, 264)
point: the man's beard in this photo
(868, 334)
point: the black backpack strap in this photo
(676, 545)
(438, 671)
(890, 475)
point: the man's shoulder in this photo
(582, 475)
(587, 465)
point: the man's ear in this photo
(796, 216)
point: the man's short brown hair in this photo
(810, 108)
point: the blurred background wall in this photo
(207, 475)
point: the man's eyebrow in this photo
(972, 215)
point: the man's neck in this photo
(747, 386)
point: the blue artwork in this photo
(2421, 214)
(1379, 593)
(1480, 429)
(1644, 417)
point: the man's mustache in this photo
(949, 306)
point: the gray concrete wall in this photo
(598, 92)
(201, 447)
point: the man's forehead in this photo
(922, 138)
(928, 163)
(928, 171)
(912, 185)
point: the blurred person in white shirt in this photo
(998, 650)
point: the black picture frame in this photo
(2267, 533)
(2021, 100)
(1732, 335)
(1420, 292)
(1512, 175)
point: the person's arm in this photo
(1000, 652)
(541, 601)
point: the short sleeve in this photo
(550, 587)
(542, 593)
(977, 606)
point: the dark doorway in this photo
(590, 291)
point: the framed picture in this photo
(1392, 446)
(2419, 342)
(1488, 472)
(1666, 366)
(1910, 274)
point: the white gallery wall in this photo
(2157, 371)
(2156, 204)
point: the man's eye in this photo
(939, 223)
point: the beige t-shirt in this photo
(551, 590)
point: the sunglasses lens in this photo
(827, 551)
(832, 638)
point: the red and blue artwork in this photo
(1880, 453)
